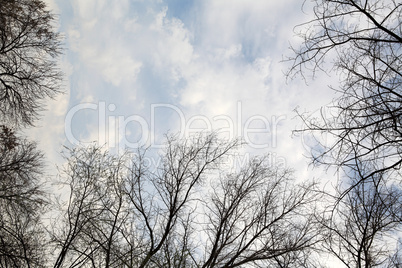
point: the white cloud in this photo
(116, 67)
(97, 36)
(172, 48)
(134, 53)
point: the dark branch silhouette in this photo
(28, 71)
(120, 212)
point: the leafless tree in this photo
(86, 233)
(256, 216)
(22, 199)
(28, 47)
(28, 74)
(362, 40)
(362, 230)
(123, 213)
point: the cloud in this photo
(96, 36)
(212, 59)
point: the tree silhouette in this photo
(21, 202)
(188, 212)
(28, 73)
(362, 229)
(363, 40)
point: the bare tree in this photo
(256, 216)
(28, 73)
(122, 212)
(87, 231)
(362, 230)
(362, 39)
(22, 199)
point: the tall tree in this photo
(188, 212)
(362, 39)
(28, 72)
(362, 229)
(21, 202)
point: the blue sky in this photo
(135, 70)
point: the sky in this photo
(135, 70)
